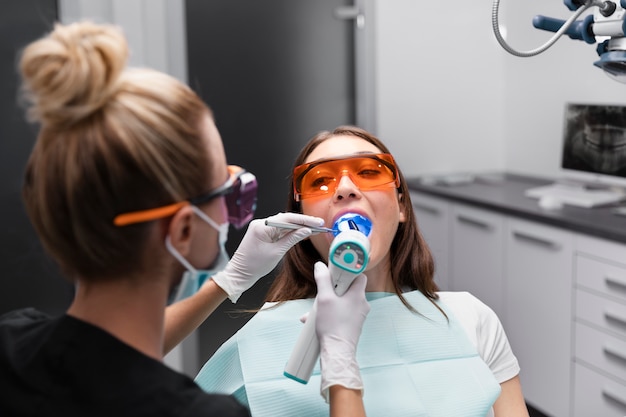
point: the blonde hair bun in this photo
(73, 72)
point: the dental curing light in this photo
(347, 258)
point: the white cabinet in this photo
(600, 328)
(477, 255)
(538, 287)
(433, 221)
(561, 296)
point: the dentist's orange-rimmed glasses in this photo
(366, 171)
(240, 191)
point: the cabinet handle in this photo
(428, 209)
(537, 240)
(621, 282)
(614, 316)
(474, 222)
(613, 351)
(612, 393)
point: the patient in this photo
(421, 352)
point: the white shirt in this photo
(483, 328)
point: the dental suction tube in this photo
(347, 258)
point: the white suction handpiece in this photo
(347, 258)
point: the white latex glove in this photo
(338, 324)
(260, 250)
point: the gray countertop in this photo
(504, 193)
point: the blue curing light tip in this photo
(352, 221)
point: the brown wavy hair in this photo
(412, 265)
(111, 140)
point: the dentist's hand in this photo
(338, 324)
(260, 250)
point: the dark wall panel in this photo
(275, 72)
(29, 277)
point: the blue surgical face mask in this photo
(193, 278)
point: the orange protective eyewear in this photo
(240, 191)
(367, 171)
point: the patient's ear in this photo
(402, 206)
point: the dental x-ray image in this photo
(594, 139)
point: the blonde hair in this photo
(111, 140)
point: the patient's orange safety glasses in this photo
(240, 191)
(367, 171)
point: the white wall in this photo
(449, 98)
(439, 82)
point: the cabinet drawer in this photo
(599, 276)
(596, 395)
(597, 310)
(601, 350)
(602, 248)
